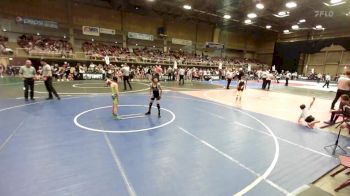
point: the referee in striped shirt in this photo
(47, 76)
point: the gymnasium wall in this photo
(74, 15)
(333, 60)
(265, 47)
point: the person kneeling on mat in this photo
(115, 96)
(155, 93)
(305, 117)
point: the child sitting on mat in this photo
(305, 117)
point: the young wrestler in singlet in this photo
(155, 93)
(240, 87)
(115, 96)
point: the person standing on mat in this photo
(241, 85)
(269, 78)
(181, 76)
(27, 73)
(126, 74)
(343, 88)
(264, 76)
(287, 77)
(240, 74)
(115, 96)
(229, 77)
(47, 77)
(327, 80)
(155, 93)
(158, 71)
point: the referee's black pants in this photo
(49, 87)
(267, 84)
(263, 84)
(126, 80)
(337, 96)
(28, 84)
(182, 80)
(228, 83)
(287, 79)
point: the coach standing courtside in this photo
(27, 72)
(343, 87)
(47, 76)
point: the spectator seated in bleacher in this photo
(3, 48)
(40, 46)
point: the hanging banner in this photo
(181, 42)
(37, 22)
(214, 45)
(107, 31)
(141, 36)
(87, 30)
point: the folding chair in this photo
(345, 162)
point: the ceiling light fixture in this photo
(226, 16)
(286, 31)
(4, 30)
(38, 34)
(291, 4)
(295, 27)
(260, 6)
(302, 21)
(281, 14)
(248, 21)
(268, 26)
(334, 3)
(319, 27)
(187, 7)
(252, 15)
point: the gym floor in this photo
(205, 143)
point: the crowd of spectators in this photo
(67, 72)
(98, 51)
(3, 48)
(37, 45)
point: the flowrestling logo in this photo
(324, 14)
